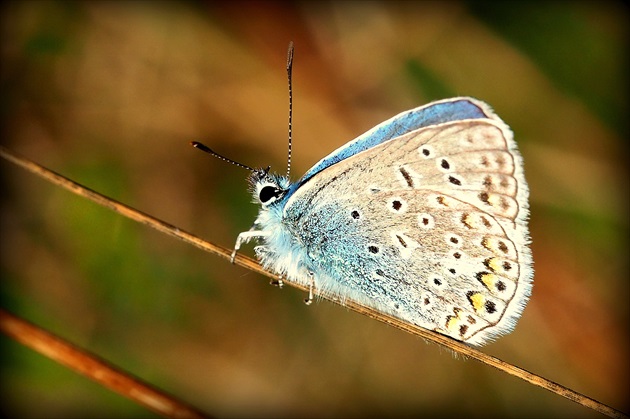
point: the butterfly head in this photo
(268, 188)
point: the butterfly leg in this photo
(245, 237)
(309, 300)
(278, 282)
(262, 253)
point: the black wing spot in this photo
(491, 307)
(405, 174)
(463, 329)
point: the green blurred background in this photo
(110, 94)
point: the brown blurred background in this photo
(110, 94)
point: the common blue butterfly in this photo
(423, 217)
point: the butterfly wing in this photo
(429, 227)
(438, 112)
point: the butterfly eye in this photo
(268, 193)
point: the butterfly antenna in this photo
(289, 70)
(208, 150)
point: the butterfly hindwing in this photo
(428, 226)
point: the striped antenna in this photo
(208, 150)
(289, 69)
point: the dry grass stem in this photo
(95, 368)
(249, 263)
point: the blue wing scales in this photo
(432, 114)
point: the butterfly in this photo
(423, 217)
